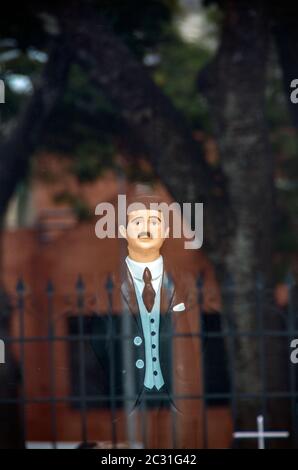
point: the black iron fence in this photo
(62, 330)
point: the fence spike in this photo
(109, 284)
(199, 282)
(50, 287)
(80, 285)
(259, 281)
(20, 286)
(228, 283)
(290, 280)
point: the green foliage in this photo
(177, 76)
(21, 65)
(85, 127)
(83, 115)
(77, 203)
(90, 160)
(136, 172)
(140, 24)
(276, 107)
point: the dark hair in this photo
(146, 200)
(143, 199)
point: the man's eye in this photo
(138, 222)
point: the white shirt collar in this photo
(137, 268)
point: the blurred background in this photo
(186, 99)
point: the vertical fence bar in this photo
(169, 286)
(20, 289)
(203, 336)
(259, 291)
(143, 416)
(80, 289)
(290, 281)
(129, 385)
(111, 336)
(51, 339)
(228, 292)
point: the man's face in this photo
(145, 230)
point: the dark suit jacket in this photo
(179, 355)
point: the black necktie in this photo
(148, 294)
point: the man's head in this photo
(146, 228)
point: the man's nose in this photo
(146, 225)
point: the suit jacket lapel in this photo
(129, 295)
(167, 292)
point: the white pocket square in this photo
(179, 307)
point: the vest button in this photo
(137, 340)
(140, 364)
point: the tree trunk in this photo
(234, 84)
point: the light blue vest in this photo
(150, 325)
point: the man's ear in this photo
(122, 231)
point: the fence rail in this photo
(219, 340)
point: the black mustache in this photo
(146, 234)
